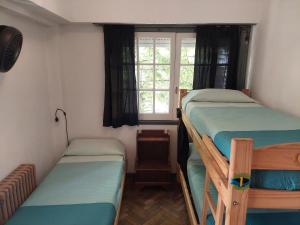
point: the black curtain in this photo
(216, 57)
(182, 147)
(120, 107)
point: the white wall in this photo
(156, 11)
(82, 49)
(29, 94)
(276, 76)
(74, 54)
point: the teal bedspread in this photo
(285, 218)
(78, 214)
(80, 193)
(265, 126)
(196, 177)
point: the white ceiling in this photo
(150, 11)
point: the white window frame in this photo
(175, 52)
(179, 38)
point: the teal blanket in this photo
(265, 126)
(285, 218)
(78, 214)
(83, 193)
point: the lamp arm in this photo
(66, 122)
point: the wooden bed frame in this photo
(120, 203)
(233, 202)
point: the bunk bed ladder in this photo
(217, 211)
(236, 194)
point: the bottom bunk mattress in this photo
(196, 177)
(83, 190)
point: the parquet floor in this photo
(153, 206)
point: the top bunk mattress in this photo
(224, 121)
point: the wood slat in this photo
(121, 197)
(187, 198)
(182, 93)
(277, 157)
(205, 200)
(220, 211)
(240, 164)
(273, 199)
(211, 204)
(221, 160)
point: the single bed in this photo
(85, 187)
(243, 145)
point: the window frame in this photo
(175, 56)
(179, 38)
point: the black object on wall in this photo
(11, 41)
(66, 122)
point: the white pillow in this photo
(218, 95)
(93, 147)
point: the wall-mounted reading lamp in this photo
(66, 120)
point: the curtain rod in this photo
(176, 25)
(180, 28)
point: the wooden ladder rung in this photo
(211, 204)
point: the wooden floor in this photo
(153, 206)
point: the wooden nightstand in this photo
(152, 161)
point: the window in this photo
(187, 59)
(164, 62)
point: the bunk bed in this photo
(241, 170)
(85, 187)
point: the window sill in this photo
(158, 122)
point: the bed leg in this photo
(239, 180)
(220, 211)
(205, 202)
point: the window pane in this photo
(162, 77)
(163, 50)
(146, 77)
(146, 50)
(135, 50)
(162, 101)
(221, 76)
(136, 75)
(146, 102)
(188, 51)
(186, 77)
(223, 55)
